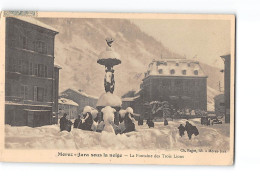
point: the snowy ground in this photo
(159, 137)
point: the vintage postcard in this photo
(117, 88)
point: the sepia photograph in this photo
(160, 85)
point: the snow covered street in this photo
(160, 137)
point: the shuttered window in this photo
(40, 94)
(24, 92)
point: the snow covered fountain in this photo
(109, 59)
(108, 103)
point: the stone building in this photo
(80, 97)
(219, 104)
(226, 59)
(180, 82)
(31, 80)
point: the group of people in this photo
(189, 128)
(92, 120)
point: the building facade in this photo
(80, 97)
(180, 82)
(69, 107)
(219, 104)
(31, 80)
(226, 59)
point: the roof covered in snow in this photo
(36, 22)
(130, 98)
(67, 102)
(175, 67)
(57, 66)
(81, 92)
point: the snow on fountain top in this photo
(109, 58)
(109, 99)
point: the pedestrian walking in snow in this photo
(191, 130)
(165, 122)
(181, 130)
(150, 123)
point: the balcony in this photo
(21, 101)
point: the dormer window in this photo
(184, 72)
(160, 71)
(172, 71)
(196, 72)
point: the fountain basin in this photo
(109, 99)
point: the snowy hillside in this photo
(80, 41)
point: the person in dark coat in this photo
(208, 122)
(129, 125)
(88, 121)
(77, 122)
(99, 117)
(117, 118)
(181, 130)
(187, 126)
(191, 130)
(150, 123)
(165, 122)
(140, 121)
(65, 124)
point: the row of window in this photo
(165, 63)
(39, 93)
(184, 72)
(172, 72)
(27, 68)
(23, 42)
(38, 46)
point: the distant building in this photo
(80, 97)
(181, 82)
(226, 59)
(129, 102)
(31, 80)
(69, 107)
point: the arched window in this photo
(177, 64)
(172, 71)
(184, 72)
(160, 71)
(196, 72)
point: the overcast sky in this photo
(204, 39)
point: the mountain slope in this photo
(80, 41)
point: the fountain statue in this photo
(109, 59)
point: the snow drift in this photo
(159, 137)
